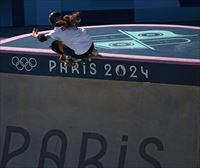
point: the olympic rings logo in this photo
(24, 63)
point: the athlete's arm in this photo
(40, 37)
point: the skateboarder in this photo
(70, 39)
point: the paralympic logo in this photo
(24, 63)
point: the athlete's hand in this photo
(35, 33)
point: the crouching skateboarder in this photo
(72, 43)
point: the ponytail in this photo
(72, 20)
(60, 23)
(69, 20)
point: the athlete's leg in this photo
(92, 52)
(61, 49)
(57, 46)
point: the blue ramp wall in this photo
(166, 11)
(35, 12)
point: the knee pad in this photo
(55, 47)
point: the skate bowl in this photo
(121, 110)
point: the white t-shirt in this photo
(75, 38)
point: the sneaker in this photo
(89, 59)
(67, 57)
(76, 60)
(65, 64)
(94, 52)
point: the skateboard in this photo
(72, 62)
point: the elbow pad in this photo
(42, 38)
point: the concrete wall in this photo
(66, 122)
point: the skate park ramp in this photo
(117, 111)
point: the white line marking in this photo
(136, 40)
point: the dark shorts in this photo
(70, 52)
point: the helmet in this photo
(53, 16)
